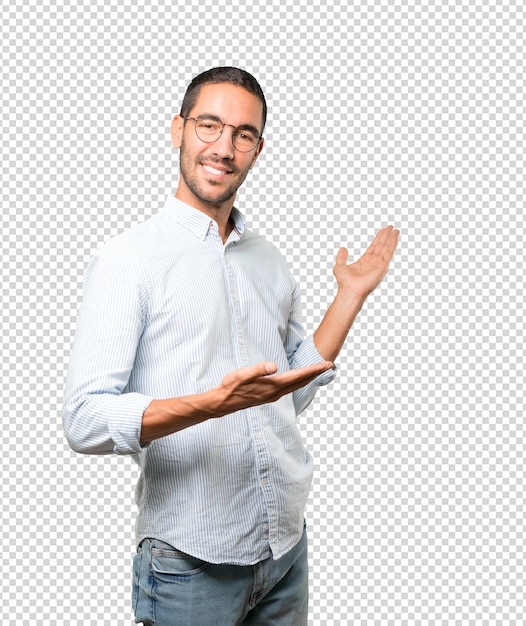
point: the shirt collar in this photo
(196, 221)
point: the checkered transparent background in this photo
(409, 113)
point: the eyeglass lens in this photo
(210, 129)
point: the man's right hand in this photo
(259, 384)
(240, 389)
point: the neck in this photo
(220, 213)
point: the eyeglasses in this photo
(208, 129)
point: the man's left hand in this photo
(364, 275)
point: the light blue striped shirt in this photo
(168, 311)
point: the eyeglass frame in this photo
(217, 119)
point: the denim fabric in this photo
(171, 588)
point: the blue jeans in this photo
(171, 588)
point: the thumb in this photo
(270, 368)
(342, 256)
(250, 373)
(262, 369)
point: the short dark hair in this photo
(232, 75)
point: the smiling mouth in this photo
(214, 171)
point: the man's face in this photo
(211, 173)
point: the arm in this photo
(98, 417)
(355, 282)
(241, 389)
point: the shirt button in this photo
(258, 435)
(264, 481)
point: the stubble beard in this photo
(195, 186)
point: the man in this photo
(190, 356)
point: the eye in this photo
(209, 126)
(245, 137)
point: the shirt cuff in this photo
(125, 426)
(307, 354)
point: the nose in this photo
(224, 146)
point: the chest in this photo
(197, 298)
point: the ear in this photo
(257, 152)
(177, 131)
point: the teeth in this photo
(213, 170)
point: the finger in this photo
(289, 385)
(382, 236)
(285, 388)
(384, 242)
(315, 368)
(302, 375)
(267, 369)
(342, 256)
(391, 234)
(252, 372)
(270, 368)
(391, 241)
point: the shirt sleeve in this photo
(99, 417)
(301, 352)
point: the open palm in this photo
(364, 275)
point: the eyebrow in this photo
(240, 127)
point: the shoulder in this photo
(135, 245)
(124, 257)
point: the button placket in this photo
(238, 331)
(254, 414)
